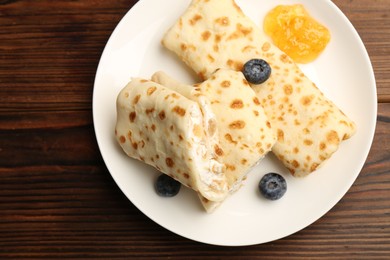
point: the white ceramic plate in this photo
(343, 72)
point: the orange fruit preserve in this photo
(295, 32)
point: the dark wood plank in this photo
(13, 120)
(372, 21)
(49, 51)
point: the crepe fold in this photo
(166, 130)
(216, 34)
(245, 134)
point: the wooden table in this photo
(58, 200)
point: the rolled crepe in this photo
(216, 34)
(166, 130)
(245, 134)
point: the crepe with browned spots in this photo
(166, 130)
(245, 134)
(216, 34)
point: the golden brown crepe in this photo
(166, 130)
(244, 131)
(216, 34)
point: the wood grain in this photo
(371, 19)
(53, 46)
(57, 199)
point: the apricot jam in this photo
(295, 32)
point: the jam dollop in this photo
(296, 32)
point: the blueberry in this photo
(166, 186)
(272, 186)
(256, 71)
